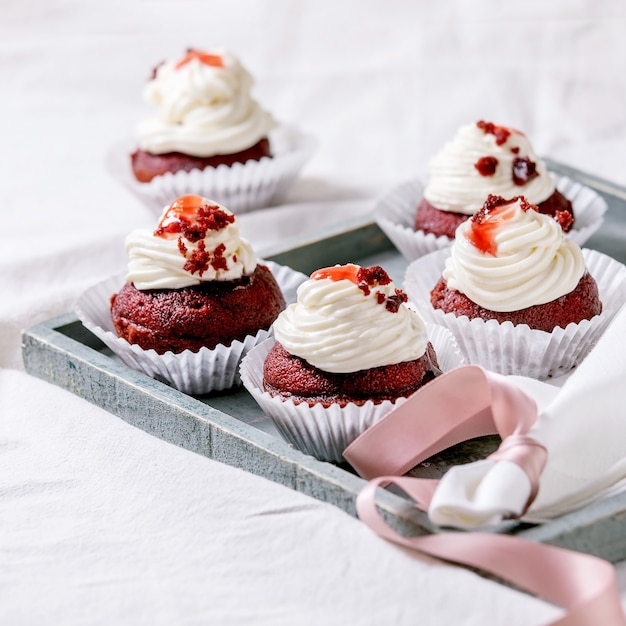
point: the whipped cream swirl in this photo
(530, 260)
(455, 179)
(340, 327)
(197, 241)
(204, 107)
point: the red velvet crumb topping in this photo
(393, 302)
(365, 278)
(201, 258)
(486, 166)
(192, 217)
(501, 133)
(564, 219)
(372, 276)
(524, 170)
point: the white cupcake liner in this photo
(194, 373)
(520, 350)
(325, 432)
(395, 214)
(241, 187)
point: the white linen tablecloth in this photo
(101, 523)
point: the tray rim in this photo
(205, 429)
(48, 334)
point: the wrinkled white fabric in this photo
(101, 523)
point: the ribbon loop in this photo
(464, 403)
(528, 454)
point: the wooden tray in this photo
(230, 427)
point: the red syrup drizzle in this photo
(206, 58)
(485, 223)
(190, 217)
(364, 278)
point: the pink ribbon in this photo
(469, 402)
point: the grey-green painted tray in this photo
(230, 427)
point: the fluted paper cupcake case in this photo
(325, 432)
(242, 187)
(190, 372)
(395, 214)
(520, 350)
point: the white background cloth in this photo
(102, 523)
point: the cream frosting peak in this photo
(348, 320)
(203, 107)
(196, 241)
(483, 159)
(509, 257)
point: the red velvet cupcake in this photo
(208, 136)
(205, 117)
(518, 294)
(484, 159)
(345, 352)
(194, 301)
(512, 264)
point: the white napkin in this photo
(583, 427)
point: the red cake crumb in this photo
(365, 278)
(565, 219)
(374, 275)
(193, 217)
(501, 133)
(524, 170)
(555, 204)
(293, 378)
(393, 302)
(486, 166)
(200, 259)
